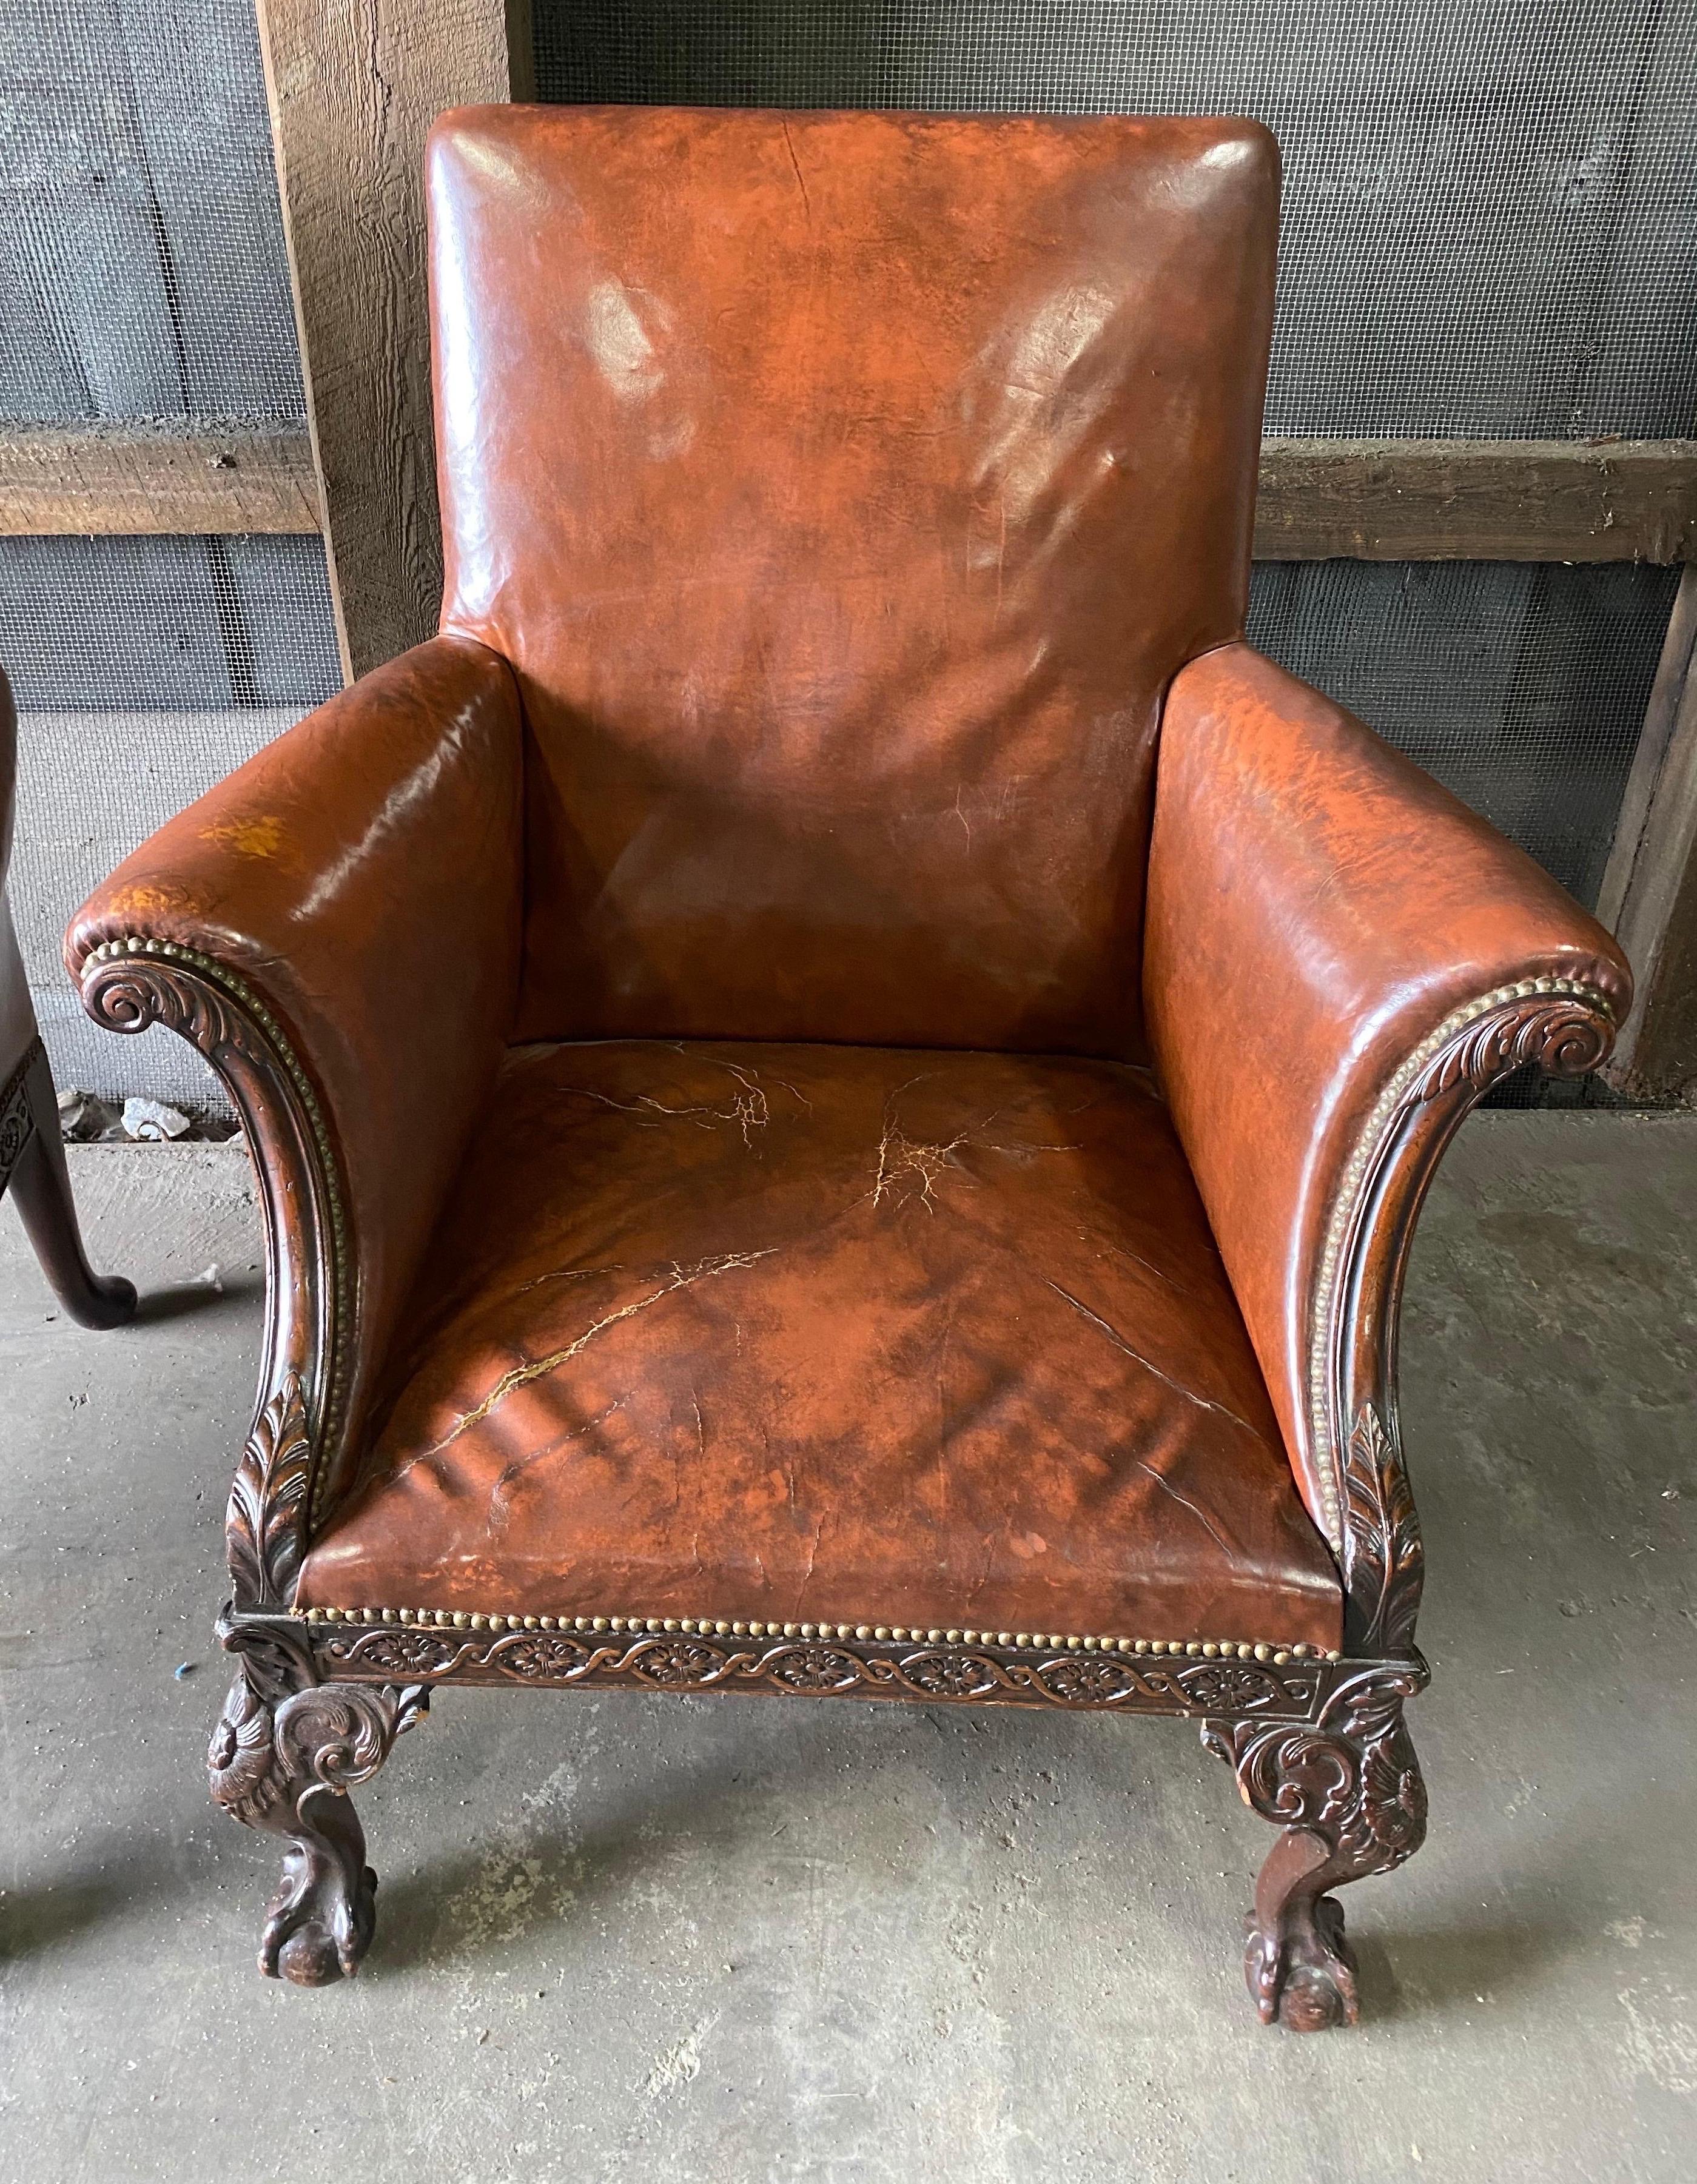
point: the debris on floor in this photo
(86, 1118)
(151, 1118)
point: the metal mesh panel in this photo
(1490, 206)
(145, 669)
(1522, 687)
(1489, 230)
(142, 256)
(143, 275)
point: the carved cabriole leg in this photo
(284, 1753)
(1348, 1793)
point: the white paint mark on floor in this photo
(681, 2064)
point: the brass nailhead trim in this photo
(1386, 1111)
(230, 986)
(704, 1626)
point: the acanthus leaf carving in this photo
(1348, 1794)
(1384, 1562)
(264, 1527)
(131, 983)
(285, 1764)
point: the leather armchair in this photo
(841, 1075)
(33, 1170)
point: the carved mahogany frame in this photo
(1317, 1742)
(17, 1118)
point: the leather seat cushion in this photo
(836, 1333)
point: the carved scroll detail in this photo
(17, 1122)
(1349, 1795)
(283, 1761)
(128, 986)
(1367, 1509)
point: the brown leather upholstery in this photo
(363, 873)
(830, 501)
(844, 489)
(830, 1334)
(1317, 907)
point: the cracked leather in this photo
(829, 502)
(832, 1333)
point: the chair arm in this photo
(337, 927)
(1339, 959)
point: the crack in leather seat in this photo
(832, 1335)
(847, 522)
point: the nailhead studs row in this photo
(1385, 1110)
(441, 1618)
(231, 987)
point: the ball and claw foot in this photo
(322, 1918)
(1307, 1984)
(1346, 1791)
(286, 1765)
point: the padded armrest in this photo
(361, 876)
(1319, 909)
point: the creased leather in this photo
(844, 489)
(1317, 906)
(363, 873)
(830, 1334)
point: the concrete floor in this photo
(653, 1938)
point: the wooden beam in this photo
(1389, 500)
(121, 481)
(353, 86)
(1648, 895)
(1477, 500)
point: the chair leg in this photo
(1348, 1793)
(41, 1186)
(285, 1762)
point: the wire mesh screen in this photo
(143, 274)
(1490, 206)
(145, 669)
(1489, 230)
(1522, 687)
(141, 255)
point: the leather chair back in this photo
(845, 489)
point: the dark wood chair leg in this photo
(1349, 1795)
(285, 1762)
(41, 1187)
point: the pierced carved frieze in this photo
(17, 1122)
(675, 1662)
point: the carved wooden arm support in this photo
(1340, 960)
(336, 927)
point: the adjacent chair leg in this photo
(41, 1186)
(1348, 1794)
(285, 1762)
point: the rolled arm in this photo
(337, 926)
(1339, 959)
